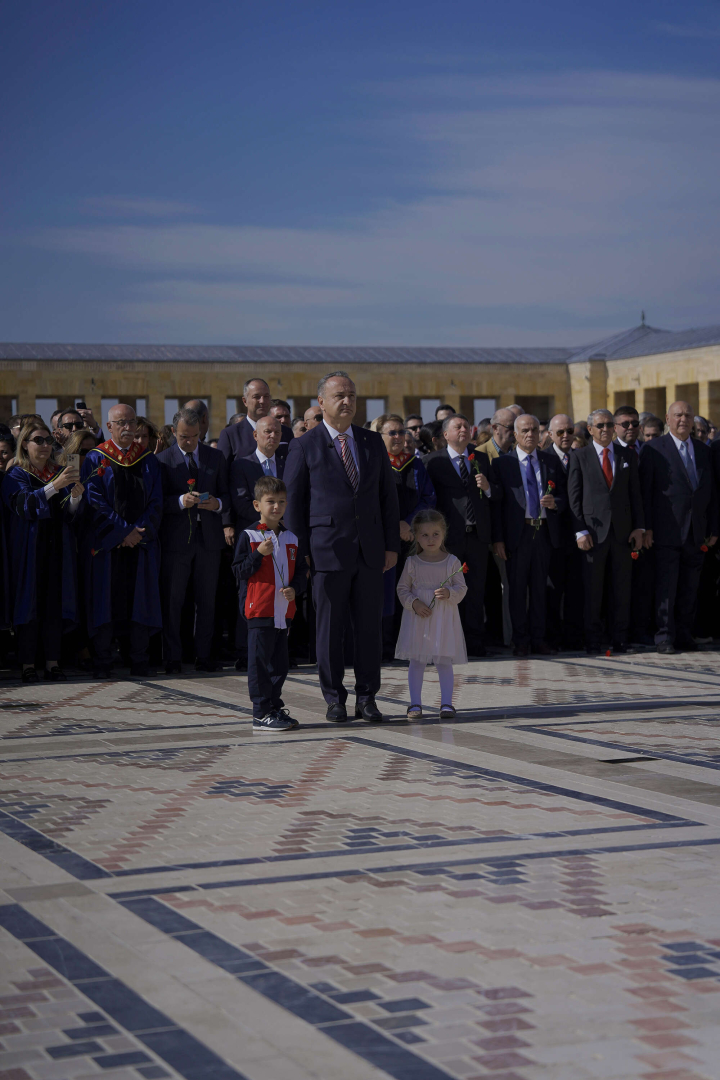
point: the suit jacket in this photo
(244, 474)
(238, 440)
(452, 497)
(333, 522)
(597, 508)
(508, 513)
(673, 510)
(213, 478)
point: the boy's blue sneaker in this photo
(273, 723)
(286, 716)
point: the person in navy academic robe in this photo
(125, 499)
(343, 507)
(41, 499)
(415, 492)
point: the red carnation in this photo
(635, 554)
(703, 547)
(551, 485)
(191, 484)
(608, 653)
(471, 457)
(100, 470)
(465, 568)
(262, 527)
(93, 551)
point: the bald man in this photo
(312, 417)
(123, 488)
(238, 440)
(681, 517)
(503, 434)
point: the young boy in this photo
(270, 573)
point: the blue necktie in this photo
(532, 490)
(689, 465)
(266, 468)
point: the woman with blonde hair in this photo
(146, 434)
(41, 499)
(80, 442)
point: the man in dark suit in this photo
(195, 485)
(606, 506)
(627, 433)
(343, 507)
(245, 472)
(565, 629)
(461, 477)
(237, 441)
(681, 516)
(525, 529)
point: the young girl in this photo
(430, 631)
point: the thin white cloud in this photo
(584, 195)
(687, 30)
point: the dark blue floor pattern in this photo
(85, 870)
(639, 751)
(511, 864)
(173, 1044)
(309, 1004)
(692, 960)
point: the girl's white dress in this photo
(440, 638)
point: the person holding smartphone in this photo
(42, 500)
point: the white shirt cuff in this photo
(579, 534)
(74, 503)
(180, 501)
(49, 490)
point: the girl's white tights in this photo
(415, 682)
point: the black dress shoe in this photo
(241, 664)
(139, 671)
(666, 647)
(521, 650)
(30, 675)
(686, 646)
(542, 649)
(620, 650)
(55, 674)
(205, 665)
(368, 710)
(173, 667)
(336, 714)
(103, 673)
(591, 650)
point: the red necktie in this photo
(607, 466)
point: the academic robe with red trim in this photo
(123, 491)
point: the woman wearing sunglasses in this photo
(42, 498)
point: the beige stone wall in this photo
(693, 375)
(26, 380)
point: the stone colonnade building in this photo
(644, 366)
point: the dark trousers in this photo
(611, 556)
(352, 597)
(46, 632)
(527, 569)
(642, 593)
(475, 554)
(267, 667)
(706, 615)
(176, 570)
(139, 637)
(677, 577)
(494, 630)
(565, 623)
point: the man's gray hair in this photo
(599, 412)
(453, 416)
(524, 416)
(188, 415)
(200, 408)
(332, 375)
(496, 415)
(248, 384)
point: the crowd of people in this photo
(312, 538)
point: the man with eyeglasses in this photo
(627, 433)
(565, 628)
(607, 510)
(503, 434)
(413, 424)
(67, 423)
(681, 514)
(123, 487)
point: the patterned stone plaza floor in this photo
(529, 892)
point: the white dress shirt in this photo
(262, 458)
(688, 444)
(252, 423)
(351, 443)
(455, 458)
(196, 458)
(538, 477)
(565, 458)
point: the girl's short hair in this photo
(428, 517)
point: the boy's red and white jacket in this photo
(261, 577)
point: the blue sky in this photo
(455, 172)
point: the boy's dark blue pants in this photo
(267, 667)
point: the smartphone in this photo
(80, 405)
(203, 496)
(73, 461)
